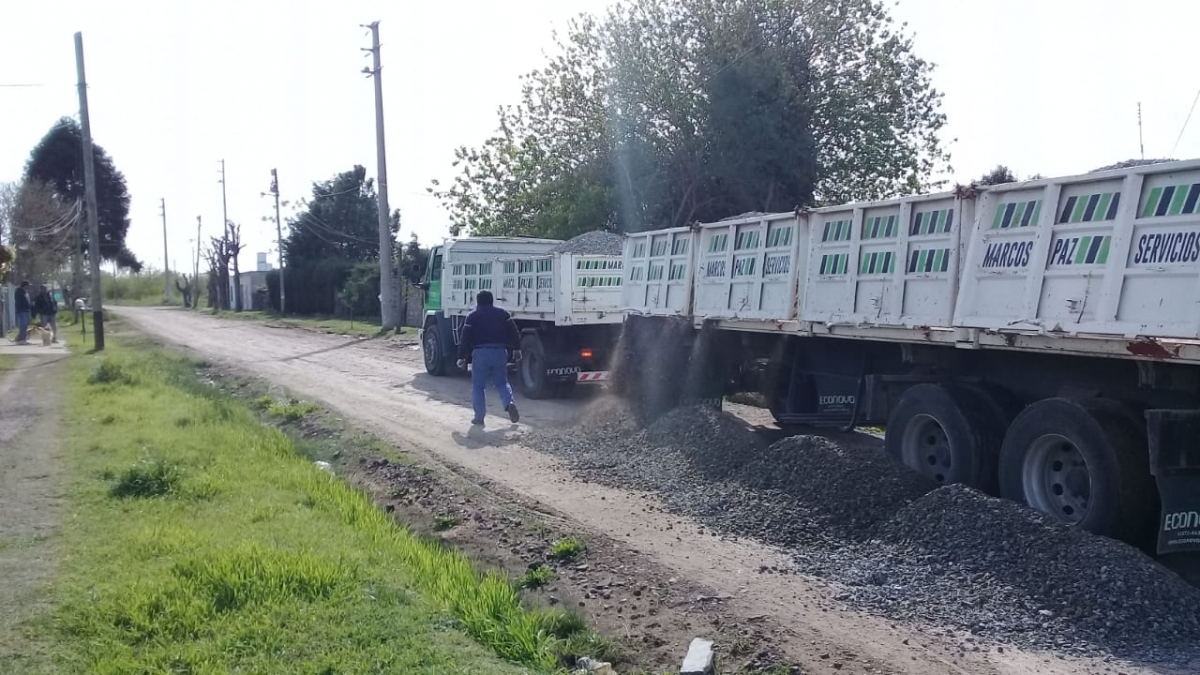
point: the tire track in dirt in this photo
(30, 500)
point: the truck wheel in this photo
(1083, 463)
(435, 358)
(947, 433)
(533, 378)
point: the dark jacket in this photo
(45, 304)
(23, 303)
(488, 325)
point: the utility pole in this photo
(196, 269)
(162, 205)
(279, 236)
(237, 292)
(387, 304)
(1141, 143)
(89, 185)
(77, 260)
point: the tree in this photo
(330, 236)
(185, 289)
(233, 246)
(413, 260)
(340, 220)
(58, 161)
(661, 113)
(998, 176)
(39, 227)
(218, 255)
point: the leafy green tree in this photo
(998, 176)
(58, 161)
(663, 113)
(333, 242)
(340, 220)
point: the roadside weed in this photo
(567, 549)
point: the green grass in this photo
(537, 577)
(366, 328)
(211, 547)
(291, 412)
(567, 549)
(7, 362)
(138, 289)
(446, 521)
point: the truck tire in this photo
(1084, 463)
(948, 433)
(434, 352)
(532, 368)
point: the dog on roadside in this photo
(45, 333)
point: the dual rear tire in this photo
(1082, 462)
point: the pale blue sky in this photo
(1047, 86)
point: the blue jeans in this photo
(489, 364)
(23, 326)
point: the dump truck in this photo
(566, 305)
(1037, 340)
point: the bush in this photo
(537, 577)
(446, 521)
(567, 549)
(148, 479)
(110, 372)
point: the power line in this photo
(318, 224)
(1185, 123)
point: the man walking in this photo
(24, 307)
(47, 308)
(487, 336)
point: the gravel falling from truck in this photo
(948, 557)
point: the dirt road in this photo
(30, 498)
(382, 386)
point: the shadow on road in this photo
(479, 437)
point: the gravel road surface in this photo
(381, 385)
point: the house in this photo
(251, 283)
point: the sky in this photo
(175, 86)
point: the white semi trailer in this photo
(566, 305)
(1039, 340)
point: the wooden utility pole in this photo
(387, 302)
(196, 269)
(279, 235)
(89, 185)
(162, 205)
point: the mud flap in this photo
(704, 378)
(1174, 437)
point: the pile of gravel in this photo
(988, 554)
(715, 443)
(596, 242)
(709, 465)
(950, 557)
(846, 491)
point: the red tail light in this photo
(586, 352)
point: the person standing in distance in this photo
(486, 338)
(47, 308)
(24, 311)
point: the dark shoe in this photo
(513, 414)
(476, 423)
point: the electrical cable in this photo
(1185, 123)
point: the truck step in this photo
(815, 419)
